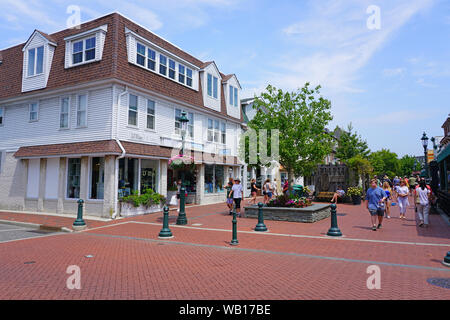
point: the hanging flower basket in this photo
(181, 162)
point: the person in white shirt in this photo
(423, 205)
(402, 194)
(238, 194)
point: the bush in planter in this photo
(147, 199)
(355, 191)
(356, 194)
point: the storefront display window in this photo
(128, 176)
(149, 170)
(97, 178)
(214, 179)
(73, 178)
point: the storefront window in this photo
(128, 176)
(97, 178)
(73, 178)
(214, 179)
(149, 169)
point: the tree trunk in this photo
(290, 180)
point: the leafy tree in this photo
(407, 165)
(384, 162)
(350, 145)
(301, 118)
(361, 166)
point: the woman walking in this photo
(253, 191)
(403, 202)
(387, 201)
(267, 191)
(422, 193)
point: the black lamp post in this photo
(425, 151)
(182, 220)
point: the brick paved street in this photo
(291, 261)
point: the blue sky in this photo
(392, 83)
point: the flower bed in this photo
(285, 201)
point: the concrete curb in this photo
(36, 226)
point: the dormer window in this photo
(85, 47)
(35, 61)
(233, 96)
(83, 50)
(212, 86)
(162, 65)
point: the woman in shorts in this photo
(228, 188)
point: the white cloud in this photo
(18, 10)
(333, 44)
(393, 72)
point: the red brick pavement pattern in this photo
(132, 269)
(198, 267)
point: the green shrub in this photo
(147, 199)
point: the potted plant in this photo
(147, 202)
(181, 162)
(356, 194)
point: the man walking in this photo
(375, 198)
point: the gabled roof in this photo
(225, 78)
(49, 39)
(206, 64)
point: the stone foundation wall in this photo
(311, 214)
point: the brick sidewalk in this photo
(298, 262)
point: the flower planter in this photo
(128, 210)
(356, 200)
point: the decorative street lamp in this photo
(182, 220)
(425, 150)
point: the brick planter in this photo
(316, 212)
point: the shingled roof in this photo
(114, 64)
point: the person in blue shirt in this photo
(375, 198)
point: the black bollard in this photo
(334, 230)
(446, 261)
(165, 232)
(234, 241)
(79, 223)
(261, 227)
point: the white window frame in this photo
(215, 131)
(35, 61)
(68, 112)
(168, 56)
(174, 69)
(37, 111)
(152, 115)
(236, 96)
(164, 65)
(83, 56)
(191, 138)
(137, 111)
(2, 116)
(182, 74)
(86, 111)
(231, 95)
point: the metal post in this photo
(182, 220)
(334, 230)
(261, 227)
(79, 223)
(165, 231)
(446, 261)
(234, 241)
